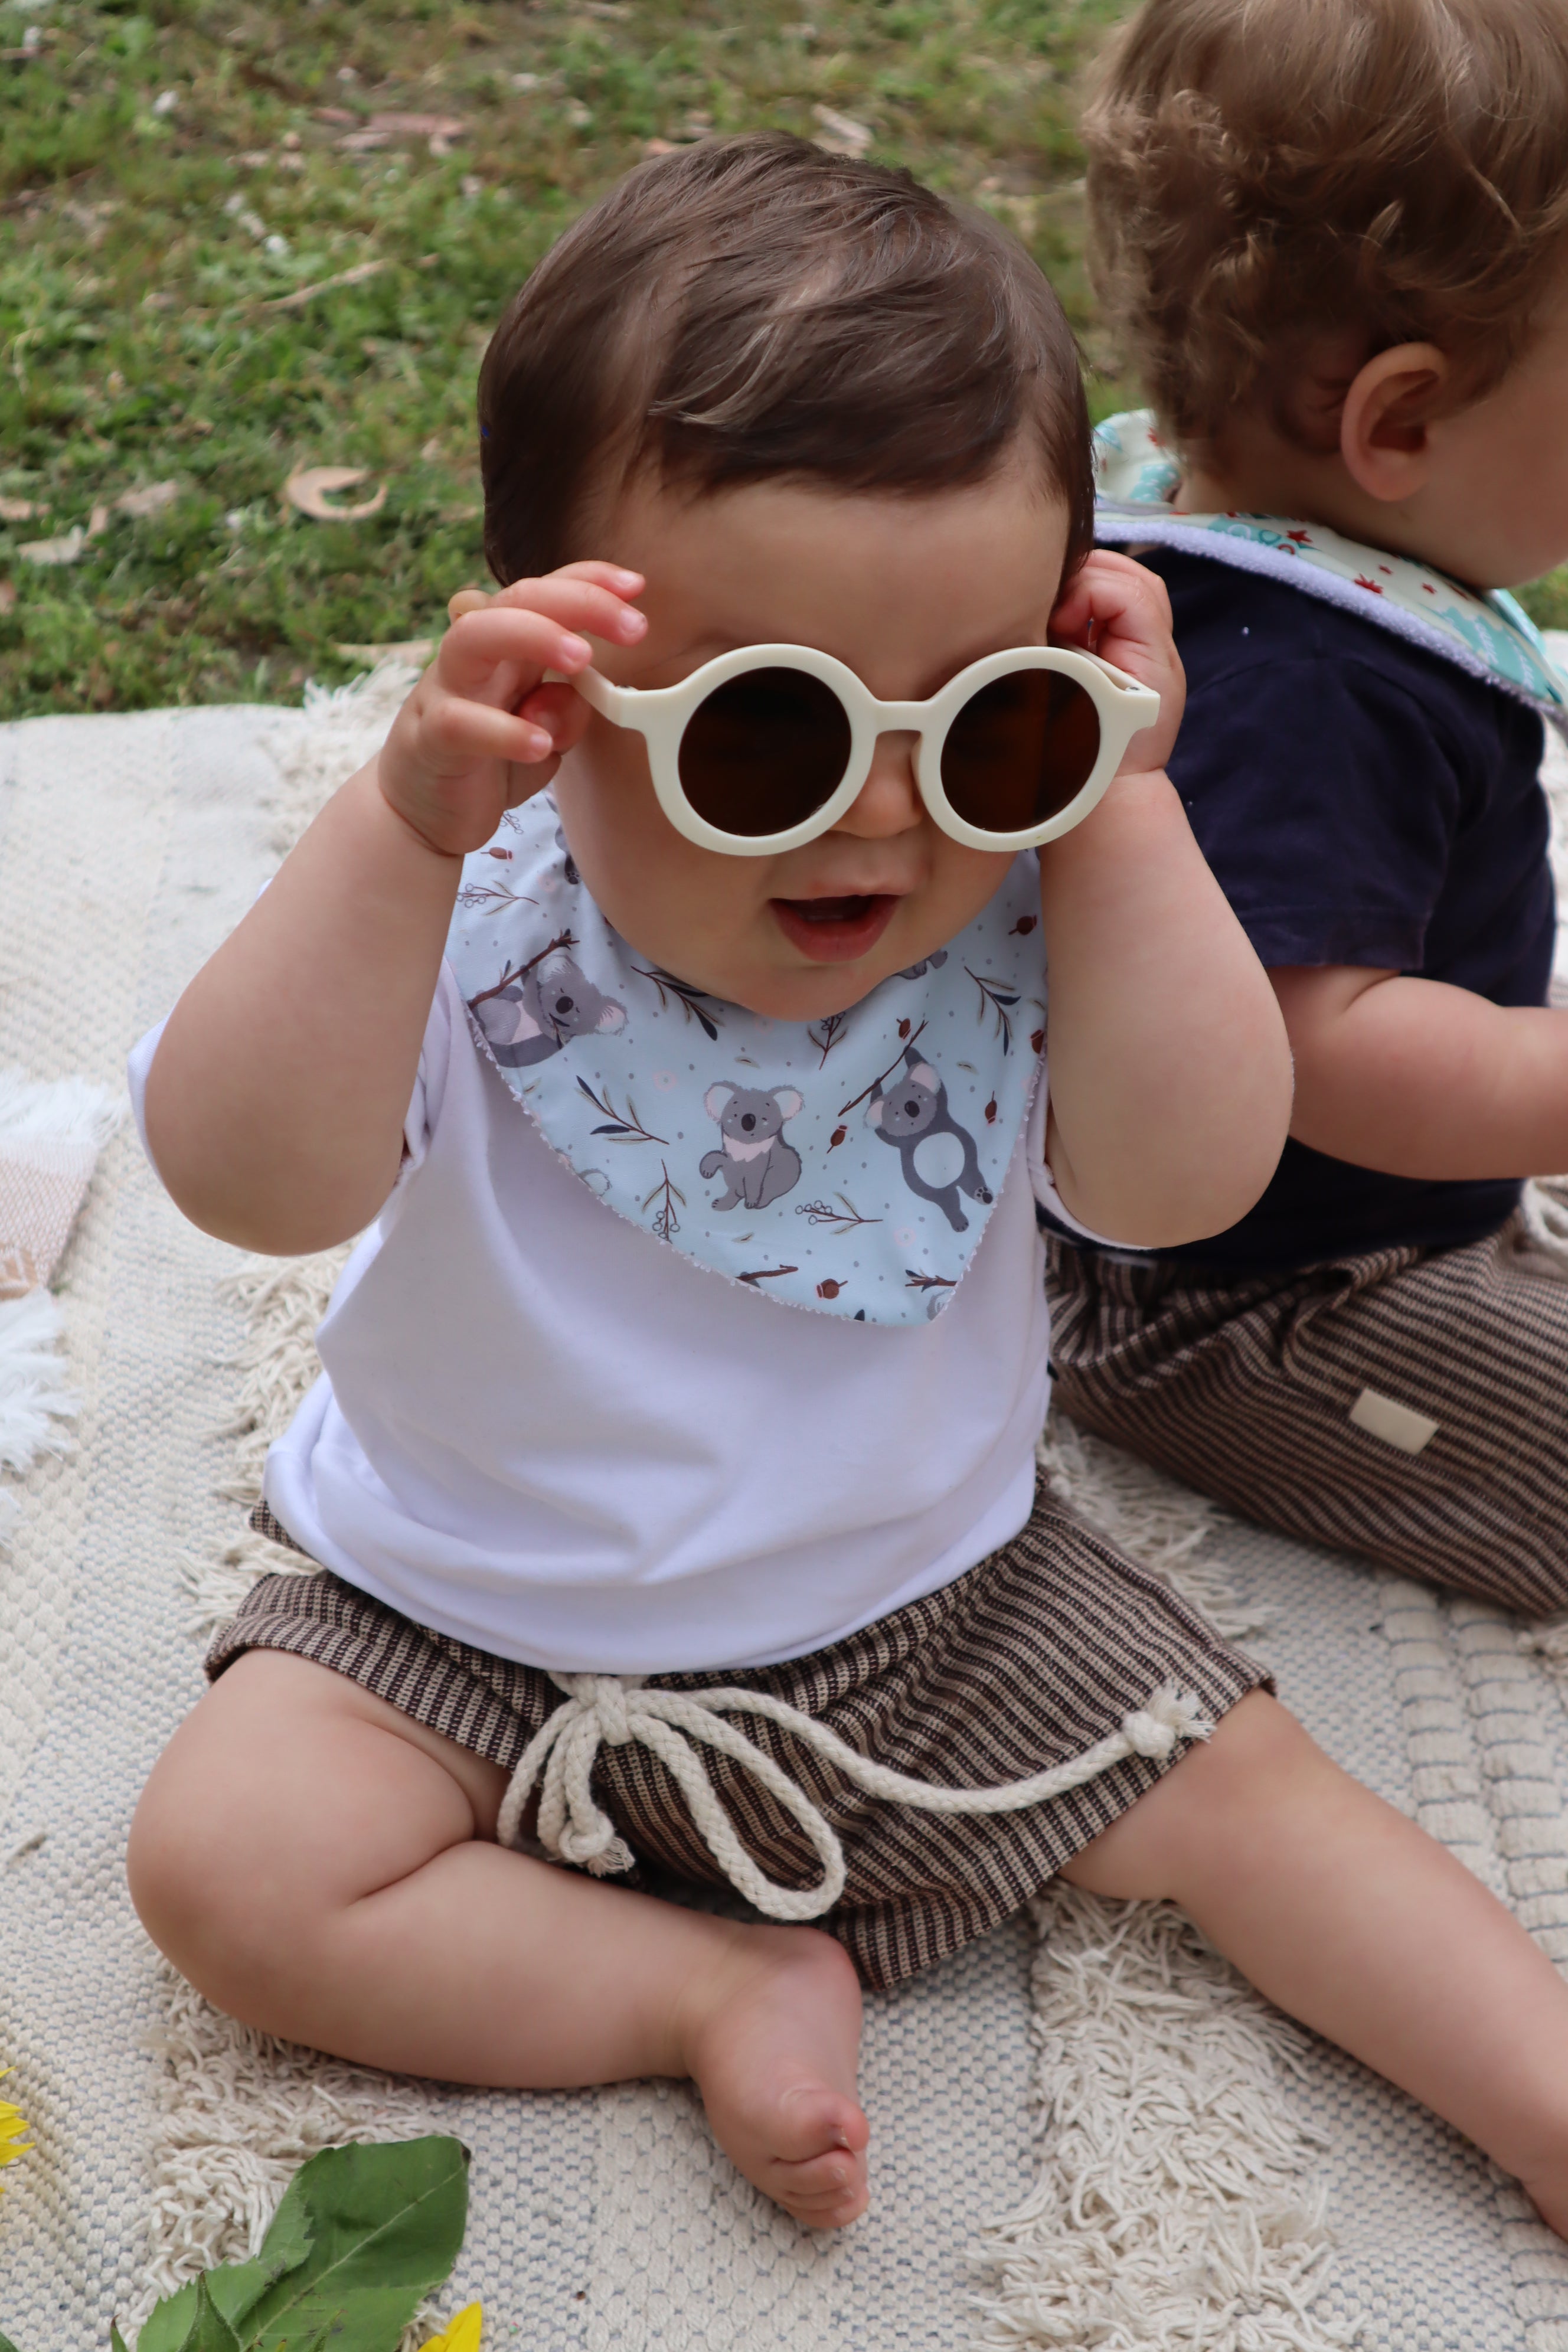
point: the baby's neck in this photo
(1260, 473)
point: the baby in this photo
(1334, 234)
(669, 1000)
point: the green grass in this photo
(142, 237)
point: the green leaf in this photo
(6, 2345)
(361, 2235)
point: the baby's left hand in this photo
(1114, 608)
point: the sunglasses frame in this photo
(661, 715)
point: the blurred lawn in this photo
(169, 171)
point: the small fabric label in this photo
(1396, 1424)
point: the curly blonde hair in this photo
(1263, 173)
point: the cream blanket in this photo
(1208, 2179)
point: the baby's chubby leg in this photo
(1354, 1921)
(321, 1866)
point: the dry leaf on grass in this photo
(7, 597)
(841, 134)
(150, 501)
(385, 130)
(310, 490)
(303, 294)
(63, 550)
(19, 509)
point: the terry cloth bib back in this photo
(847, 1165)
(1491, 637)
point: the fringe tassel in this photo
(1177, 2205)
(33, 1398)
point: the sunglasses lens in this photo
(764, 751)
(1020, 749)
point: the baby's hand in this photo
(481, 732)
(1114, 608)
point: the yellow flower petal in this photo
(459, 2334)
(11, 2127)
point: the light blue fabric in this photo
(1489, 636)
(848, 1165)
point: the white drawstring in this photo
(614, 1709)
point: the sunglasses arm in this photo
(1140, 702)
(622, 705)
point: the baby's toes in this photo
(825, 2193)
(815, 2121)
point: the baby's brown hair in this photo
(754, 309)
(1265, 172)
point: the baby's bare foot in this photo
(772, 2041)
(1548, 2192)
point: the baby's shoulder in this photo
(1262, 654)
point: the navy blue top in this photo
(1360, 802)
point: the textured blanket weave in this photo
(1284, 2196)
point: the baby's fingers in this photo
(458, 734)
(562, 715)
(501, 653)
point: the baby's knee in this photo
(1255, 1769)
(208, 1898)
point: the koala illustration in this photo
(939, 1156)
(927, 963)
(758, 1166)
(535, 1016)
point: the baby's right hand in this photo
(481, 732)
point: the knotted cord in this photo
(610, 1710)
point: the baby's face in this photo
(906, 591)
(1495, 510)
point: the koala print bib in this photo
(847, 1165)
(1491, 637)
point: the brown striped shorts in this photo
(1273, 1392)
(1026, 1660)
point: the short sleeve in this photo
(447, 1019)
(138, 1062)
(447, 1015)
(1326, 799)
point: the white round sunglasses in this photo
(766, 747)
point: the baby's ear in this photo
(716, 1097)
(788, 1101)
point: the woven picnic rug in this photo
(1087, 2131)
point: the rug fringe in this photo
(349, 725)
(1163, 1526)
(1175, 2205)
(57, 1110)
(283, 1300)
(241, 2111)
(34, 1399)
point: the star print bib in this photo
(1491, 637)
(848, 1165)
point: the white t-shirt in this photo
(544, 1431)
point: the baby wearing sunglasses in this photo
(667, 1007)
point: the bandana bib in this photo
(1491, 637)
(848, 1165)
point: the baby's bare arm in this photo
(275, 1100)
(1417, 1078)
(1170, 1073)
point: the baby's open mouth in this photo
(835, 930)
